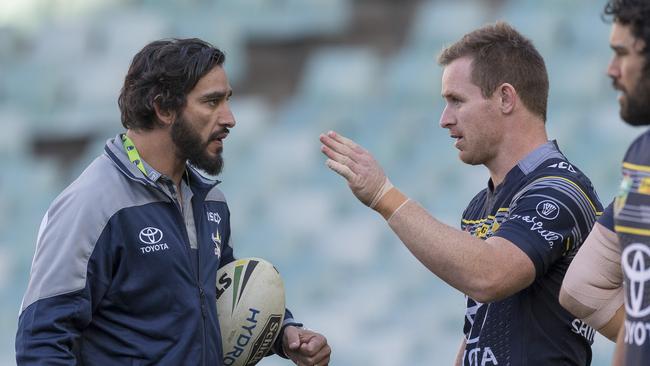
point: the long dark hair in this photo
(636, 14)
(164, 72)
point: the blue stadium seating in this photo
(346, 273)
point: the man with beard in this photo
(125, 266)
(519, 234)
(618, 249)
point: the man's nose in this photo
(446, 119)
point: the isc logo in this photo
(214, 217)
(563, 165)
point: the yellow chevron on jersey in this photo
(486, 227)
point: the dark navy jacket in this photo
(114, 281)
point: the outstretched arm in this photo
(465, 262)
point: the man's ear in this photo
(165, 117)
(508, 97)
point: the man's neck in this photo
(156, 148)
(514, 148)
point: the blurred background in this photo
(365, 68)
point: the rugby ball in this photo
(250, 308)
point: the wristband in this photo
(387, 186)
(390, 202)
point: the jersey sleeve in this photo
(607, 219)
(548, 218)
(70, 274)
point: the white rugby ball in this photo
(250, 308)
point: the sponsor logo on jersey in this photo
(563, 165)
(583, 329)
(151, 236)
(636, 265)
(550, 236)
(623, 191)
(214, 217)
(635, 260)
(636, 332)
(216, 239)
(548, 209)
(480, 356)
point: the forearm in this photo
(439, 247)
(463, 261)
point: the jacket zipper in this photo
(187, 249)
(188, 252)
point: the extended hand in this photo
(365, 176)
(305, 347)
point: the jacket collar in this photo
(115, 151)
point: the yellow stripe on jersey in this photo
(641, 168)
(631, 230)
(644, 186)
(577, 187)
(470, 222)
(490, 217)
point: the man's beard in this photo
(635, 106)
(190, 147)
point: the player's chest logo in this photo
(623, 191)
(151, 240)
(216, 239)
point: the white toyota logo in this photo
(150, 235)
(636, 264)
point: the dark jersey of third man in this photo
(546, 207)
(629, 217)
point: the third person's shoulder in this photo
(639, 151)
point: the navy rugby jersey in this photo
(546, 207)
(629, 217)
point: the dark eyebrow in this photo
(448, 95)
(217, 95)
